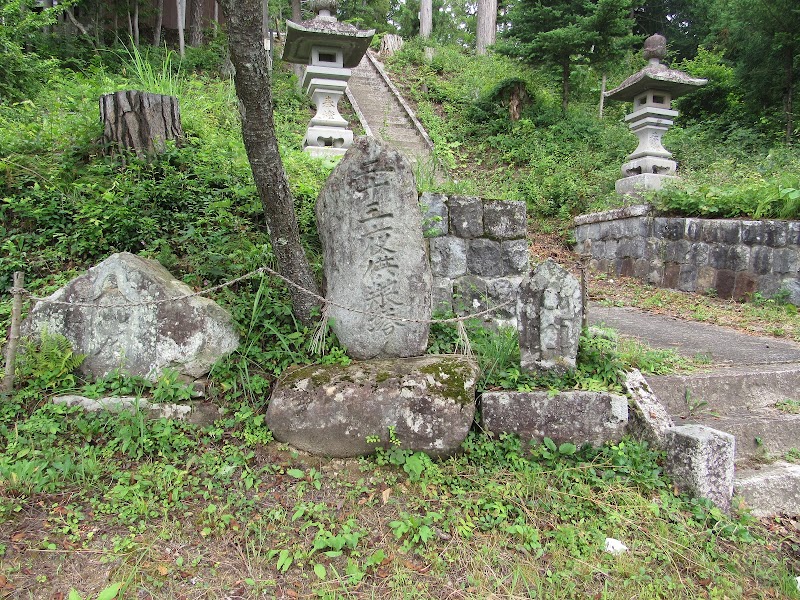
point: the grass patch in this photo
(213, 513)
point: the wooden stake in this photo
(13, 335)
(584, 266)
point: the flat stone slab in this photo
(129, 313)
(375, 260)
(197, 413)
(578, 417)
(771, 489)
(690, 338)
(333, 410)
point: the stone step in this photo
(764, 433)
(385, 115)
(769, 489)
(750, 387)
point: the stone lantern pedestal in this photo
(330, 49)
(652, 91)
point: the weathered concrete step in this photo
(770, 489)
(730, 387)
(405, 137)
(760, 433)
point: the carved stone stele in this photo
(375, 258)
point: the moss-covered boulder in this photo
(334, 410)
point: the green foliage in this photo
(22, 72)
(562, 33)
(162, 77)
(46, 363)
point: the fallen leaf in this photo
(292, 594)
(163, 570)
(58, 596)
(386, 494)
(18, 537)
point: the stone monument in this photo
(652, 91)
(549, 309)
(129, 313)
(330, 49)
(370, 225)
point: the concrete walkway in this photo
(723, 346)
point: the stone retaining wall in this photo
(478, 252)
(733, 257)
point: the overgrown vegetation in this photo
(732, 164)
(124, 506)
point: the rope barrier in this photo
(325, 302)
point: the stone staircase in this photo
(386, 115)
(750, 392)
(746, 401)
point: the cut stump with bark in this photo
(139, 121)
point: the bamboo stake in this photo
(13, 335)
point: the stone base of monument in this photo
(324, 151)
(636, 186)
(578, 417)
(427, 402)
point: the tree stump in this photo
(390, 43)
(139, 121)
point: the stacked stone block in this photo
(478, 252)
(733, 257)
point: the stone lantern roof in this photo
(325, 31)
(655, 76)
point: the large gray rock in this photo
(331, 409)
(375, 261)
(549, 312)
(120, 314)
(578, 417)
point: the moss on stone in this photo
(456, 373)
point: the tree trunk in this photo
(181, 5)
(159, 23)
(136, 23)
(139, 121)
(216, 18)
(486, 28)
(196, 24)
(390, 43)
(603, 94)
(297, 16)
(425, 19)
(252, 81)
(788, 96)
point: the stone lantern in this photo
(652, 91)
(330, 49)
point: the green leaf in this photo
(296, 473)
(111, 591)
(551, 445)
(284, 561)
(567, 449)
(73, 595)
(319, 571)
